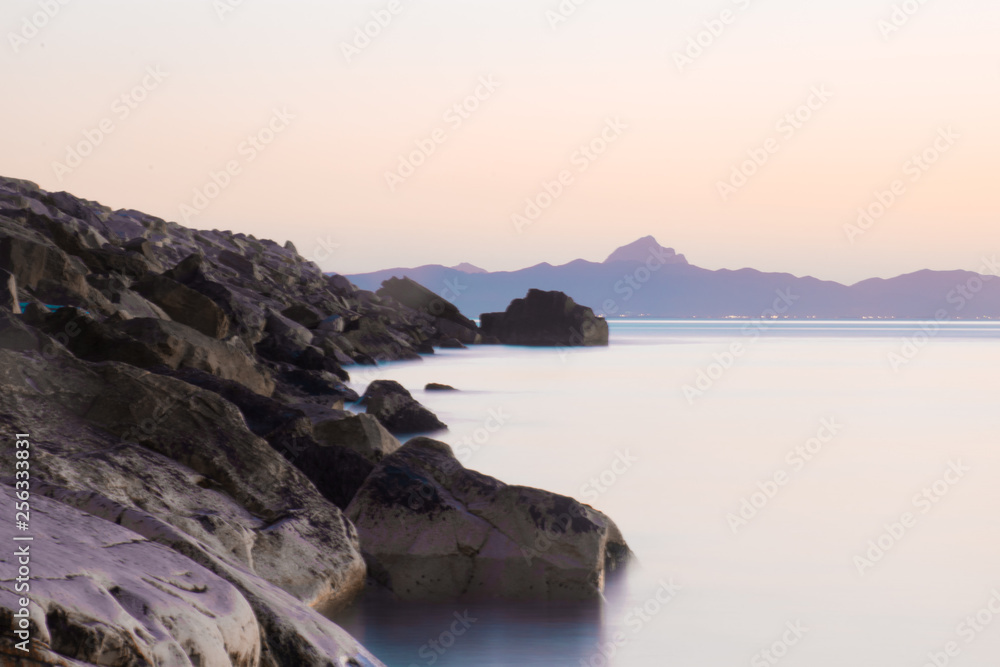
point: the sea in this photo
(802, 493)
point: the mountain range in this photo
(645, 279)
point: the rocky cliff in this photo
(191, 456)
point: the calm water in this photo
(888, 409)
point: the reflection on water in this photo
(487, 634)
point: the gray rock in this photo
(432, 530)
(104, 594)
(185, 305)
(360, 433)
(434, 386)
(303, 314)
(449, 320)
(175, 464)
(9, 300)
(546, 319)
(397, 410)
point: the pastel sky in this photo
(678, 129)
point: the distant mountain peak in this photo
(645, 249)
(465, 267)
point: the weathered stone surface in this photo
(546, 319)
(175, 464)
(431, 529)
(397, 410)
(9, 300)
(418, 297)
(185, 305)
(360, 433)
(104, 594)
(150, 342)
(303, 314)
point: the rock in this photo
(452, 344)
(104, 594)
(332, 324)
(397, 410)
(291, 247)
(9, 300)
(434, 386)
(418, 297)
(245, 267)
(148, 342)
(432, 530)
(119, 444)
(546, 319)
(360, 433)
(185, 305)
(337, 472)
(304, 315)
(321, 385)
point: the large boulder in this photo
(396, 409)
(449, 322)
(360, 433)
(546, 319)
(432, 530)
(150, 342)
(103, 594)
(185, 305)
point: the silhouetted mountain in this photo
(644, 279)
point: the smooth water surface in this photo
(702, 416)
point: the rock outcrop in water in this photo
(546, 319)
(185, 394)
(431, 529)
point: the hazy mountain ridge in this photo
(645, 279)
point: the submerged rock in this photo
(432, 530)
(434, 386)
(546, 319)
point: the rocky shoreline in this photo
(198, 486)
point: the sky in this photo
(383, 133)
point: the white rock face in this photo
(103, 594)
